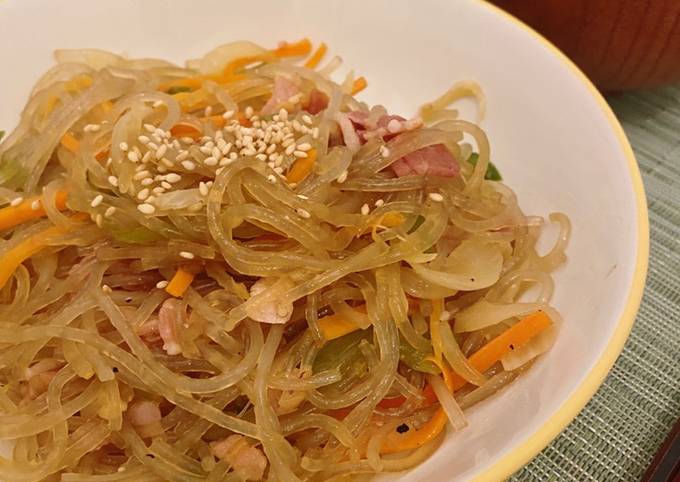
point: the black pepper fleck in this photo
(403, 428)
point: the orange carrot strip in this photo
(316, 57)
(359, 85)
(11, 260)
(334, 326)
(302, 167)
(514, 337)
(11, 216)
(70, 142)
(296, 49)
(180, 282)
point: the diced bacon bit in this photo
(317, 102)
(145, 417)
(284, 89)
(171, 317)
(248, 462)
(272, 312)
(434, 160)
(40, 375)
(148, 332)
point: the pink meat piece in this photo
(318, 101)
(433, 160)
(283, 90)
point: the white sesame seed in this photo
(271, 179)
(35, 205)
(436, 197)
(97, 200)
(365, 209)
(315, 133)
(152, 145)
(444, 316)
(162, 169)
(342, 177)
(147, 181)
(143, 194)
(300, 154)
(249, 112)
(176, 144)
(166, 162)
(187, 254)
(188, 165)
(106, 289)
(123, 146)
(108, 162)
(205, 150)
(173, 177)
(164, 186)
(208, 111)
(133, 156)
(225, 161)
(151, 199)
(233, 156)
(294, 99)
(92, 128)
(147, 156)
(290, 149)
(283, 114)
(288, 142)
(305, 146)
(303, 213)
(150, 127)
(113, 180)
(278, 170)
(248, 151)
(157, 139)
(226, 148)
(296, 125)
(157, 104)
(146, 208)
(384, 151)
(110, 211)
(181, 156)
(16, 201)
(141, 174)
(162, 284)
(160, 152)
(143, 139)
(158, 190)
(98, 220)
(228, 114)
(261, 157)
(307, 119)
(187, 140)
(302, 196)
(379, 203)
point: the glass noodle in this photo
(237, 270)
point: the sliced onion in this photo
(220, 56)
(453, 411)
(473, 265)
(484, 313)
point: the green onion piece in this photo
(492, 172)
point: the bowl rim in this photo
(570, 408)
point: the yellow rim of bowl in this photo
(540, 439)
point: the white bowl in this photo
(554, 138)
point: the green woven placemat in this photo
(617, 434)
